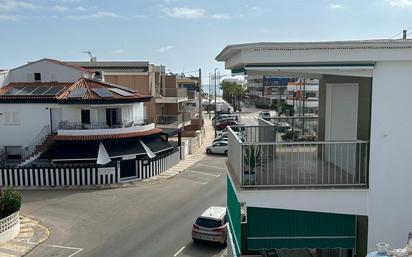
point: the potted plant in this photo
(252, 158)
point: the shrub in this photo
(10, 202)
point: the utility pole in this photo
(200, 98)
(210, 100)
(214, 123)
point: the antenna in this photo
(92, 58)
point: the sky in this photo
(181, 34)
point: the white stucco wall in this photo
(50, 71)
(390, 175)
(3, 75)
(33, 117)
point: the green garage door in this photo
(276, 228)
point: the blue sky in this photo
(183, 35)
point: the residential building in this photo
(345, 191)
(52, 112)
(165, 108)
(303, 95)
(267, 88)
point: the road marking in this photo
(77, 250)
(197, 182)
(177, 253)
(210, 166)
(204, 173)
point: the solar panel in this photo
(13, 90)
(54, 91)
(120, 91)
(40, 90)
(26, 91)
(77, 92)
(102, 92)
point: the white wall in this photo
(33, 117)
(390, 175)
(3, 75)
(138, 111)
(50, 71)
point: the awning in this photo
(277, 229)
(88, 151)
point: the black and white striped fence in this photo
(58, 176)
(83, 176)
(150, 168)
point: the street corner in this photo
(32, 233)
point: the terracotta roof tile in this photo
(108, 136)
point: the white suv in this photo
(211, 226)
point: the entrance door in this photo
(341, 124)
(113, 117)
(128, 169)
(56, 118)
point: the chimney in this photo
(405, 32)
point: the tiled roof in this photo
(109, 136)
(31, 84)
(89, 85)
(63, 96)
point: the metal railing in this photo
(299, 164)
(173, 92)
(29, 150)
(173, 119)
(66, 125)
(296, 128)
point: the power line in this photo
(398, 34)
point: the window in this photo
(12, 118)
(208, 223)
(85, 116)
(37, 76)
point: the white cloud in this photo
(95, 15)
(60, 8)
(80, 8)
(12, 5)
(164, 49)
(220, 16)
(9, 17)
(185, 13)
(336, 6)
(400, 3)
(118, 51)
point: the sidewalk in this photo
(31, 234)
(190, 159)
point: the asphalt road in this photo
(145, 220)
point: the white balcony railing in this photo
(257, 162)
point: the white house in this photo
(347, 191)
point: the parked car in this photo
(220, 147)
(211, 226)
(218, 139)
(264, 115)
(225, 120)
(225, 124)
(240, 130)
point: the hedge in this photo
(10, 202)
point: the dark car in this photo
(223, 125)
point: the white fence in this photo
(150, 168)
(83, 175)
(9, 227)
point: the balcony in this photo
(284, 156)
(67, 128)
(174, 121)
(171, 95)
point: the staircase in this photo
(39, 144)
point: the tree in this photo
(232, 91)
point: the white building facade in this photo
(357, 172)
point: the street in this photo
(150, 219)
(146, 220)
